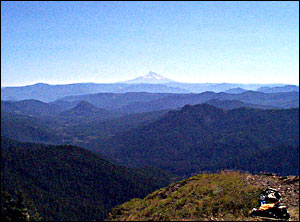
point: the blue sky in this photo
(71, 42)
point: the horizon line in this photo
(60, 84)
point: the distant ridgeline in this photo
(151, 83)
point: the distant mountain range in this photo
(109, 105)
(152, 83)
(85, 120)
(173, 101)
(287, 88)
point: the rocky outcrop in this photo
(288, 186)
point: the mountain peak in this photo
(152, 78)
(153, 75)
(85, 109)
(84, 105)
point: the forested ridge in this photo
(203, 137)
(71, 183)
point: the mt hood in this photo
(151, 77)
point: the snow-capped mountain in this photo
(151, 77)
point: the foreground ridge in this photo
(228, 195)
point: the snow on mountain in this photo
(151, 77)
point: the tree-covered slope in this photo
(29, 128)
(71, 183)
(203, 137)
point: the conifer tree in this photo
(15, 210)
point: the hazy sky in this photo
(71, 42)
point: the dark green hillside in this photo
(203, 137)
(29, 129)
(71, 183)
